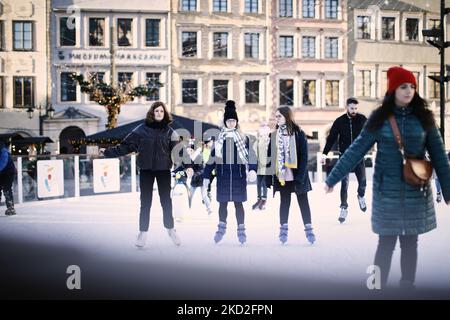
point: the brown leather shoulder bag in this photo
(416, 172)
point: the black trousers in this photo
(285, 204)
(147, 179)
(408, 257)
(223, 212)
(262, 187)
(360, 172)
(6, 181)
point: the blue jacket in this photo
(397, 207)
(231, 175)
(6, 162)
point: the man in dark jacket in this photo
(7, 172)
(345, 129)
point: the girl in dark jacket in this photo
(288, 164)
(399, 210)
(229, 159)
(154, 140)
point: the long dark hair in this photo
(418, 105)
(151, 113)
(286, 112)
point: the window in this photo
(251, 45)
(2, 35)
(363, 83)
(331, 9)
(189, 5)
(68, 87)
(23, 91)
(417, 76)
(309, 93)
(190, 91)
(220, 5)
(251, 6)
(99, 76)
(1, 93)
(331, 47)
(412, 29)
(153, 82)
(309, 8)
(332, 93)
(124, 32)
(309, 47)
(286, 46)
(125, 79)
(363, 27)
(152, 32)
(383, 82)
(23, 35)
(67, 32)
(434, 23)
(189, 43)
(286, 8)
(387, 28)
(97, 32)
(220, 44)
(434, 87)
(286, 92)
(252, 91)
(220, 89)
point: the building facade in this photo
(23, 65)
(384, 34)
(220, 52)
(309, 60)
(85, 33)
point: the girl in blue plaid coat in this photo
(230, 158)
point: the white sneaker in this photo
(362, 203)
(141, 239)
(173, 235)
(343, 214)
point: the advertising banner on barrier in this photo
(106, 175)
(50, 178)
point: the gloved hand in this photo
(251, 176)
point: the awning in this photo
(32, 140)
(122, 131)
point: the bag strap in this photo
(397, 135)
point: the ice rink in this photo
(97, 233)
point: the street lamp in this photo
(49, 113)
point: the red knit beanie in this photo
(397, 76)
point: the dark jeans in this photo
(147, 179)
(262, 187)
(360, 172)
(408, 259)
(6, 181)
(223, 212)
(285, 203)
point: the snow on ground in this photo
(104, 227)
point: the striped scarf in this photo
(238, 140)
(283, 146)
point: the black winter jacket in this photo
(153, 143)
(346, 130)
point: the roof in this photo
(122, 131)
(393, 5)
(32, 140)
(72, 113)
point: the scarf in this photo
(238, 140)
(287, 153)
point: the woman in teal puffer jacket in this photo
(399, 210)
